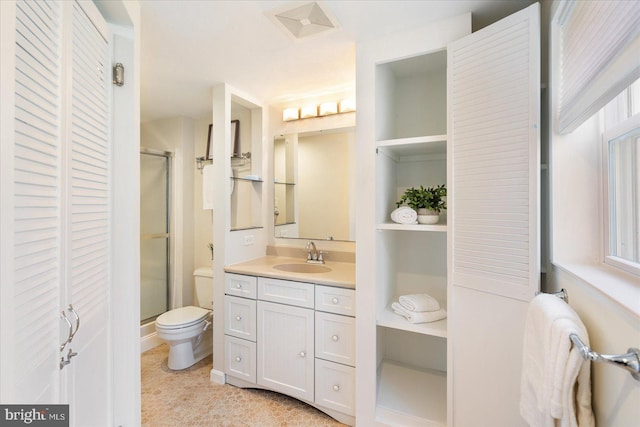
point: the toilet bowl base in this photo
(183, 355)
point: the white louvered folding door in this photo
(56, 207)
(88, 216)
(493, 176)
(33, 194)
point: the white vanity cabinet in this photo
(285, 349)
(303, 344)
(240, 327)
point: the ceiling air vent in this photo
(304, 21)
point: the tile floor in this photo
(188, 398)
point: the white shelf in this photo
(411, 397)
(440, 227)
(420, 145)
(389, 319)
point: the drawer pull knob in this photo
(238, 359)
(238, 286)
(238, 318)
(335, 338)
(336, 387)
(303, 354)
(335, 300)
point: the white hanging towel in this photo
(556, 380)
(207, 187)
(404, 215)
(419, 302)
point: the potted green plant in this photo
(427, 202)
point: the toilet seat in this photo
(182, 317)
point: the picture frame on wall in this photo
(209, 155)
(235, 140)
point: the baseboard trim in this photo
(149, 341)
(217, 377)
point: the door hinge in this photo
(118, 74)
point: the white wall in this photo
(177, 135)
(202, 219)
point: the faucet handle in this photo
(321, 256)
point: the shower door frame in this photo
(169, 156)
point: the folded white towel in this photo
(418, 316)
(555, 383)
(419, 302)
(404, 215)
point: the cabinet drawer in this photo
(240, 358)
(335, 387)
(335, 338)
(286, 292)
(336, 300)
(240, 286)
(240, 317)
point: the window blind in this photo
(599, 56)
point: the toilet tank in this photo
(203, 277)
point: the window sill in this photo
(619, 286)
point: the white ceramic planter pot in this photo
(427, 216)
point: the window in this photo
(621, 168)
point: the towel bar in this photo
(562, 294)
(629, 361)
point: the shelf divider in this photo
(440, 227)
(389, 319)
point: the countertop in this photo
(342, 274)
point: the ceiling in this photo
(188, 46)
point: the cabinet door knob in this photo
(238, 286)
(335, 338)
(335, 300)
(336, 387)
(238, 359)
(238, 318)
(303, 354)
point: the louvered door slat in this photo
(494, 173)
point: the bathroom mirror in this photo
(314, 185)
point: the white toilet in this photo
(186, 329)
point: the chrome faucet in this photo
(313, 256)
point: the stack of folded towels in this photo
(419, 308)
(404, 215)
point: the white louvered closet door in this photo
(56, 207)
(88, 214)
(34, 290)
(493, 177)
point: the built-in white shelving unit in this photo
(447, 106)
(410, 151)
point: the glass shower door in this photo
(155, 257)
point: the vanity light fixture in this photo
(324, 109)
(289, 114)
(309, 111)
(328, 108)
(347, 105)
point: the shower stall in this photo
(155, 233)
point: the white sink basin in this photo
(302, 268)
